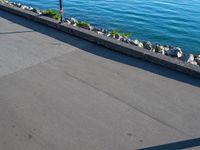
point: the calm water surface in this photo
(174, 22)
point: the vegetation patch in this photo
(82, 24)
(116, 32)
(52, 13)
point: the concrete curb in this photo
(107, 42)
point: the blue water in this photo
(173, 22)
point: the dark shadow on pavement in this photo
(100, 51)
(176, 145)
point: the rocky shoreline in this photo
(168, 50)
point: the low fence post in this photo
(61, 11)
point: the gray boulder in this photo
(24, 7)
(154, 45)
(30, 8)
(104, 31)
(137, 43)
(95, 29)
(18, 4)
(13, 3)
(141, 45)
(159, 48)
(117, 36)
(148, 45)
(187, 58)
(162, 52)
(73, 20)
(66, 21)
(198, 60)
(39, 12)
(125, 40)
(99, 32)
(193, 63)
(174, 52)
(166, 48)
(109, 35)
(196, 56)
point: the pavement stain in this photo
(141, 141)
(30, 136)
(56, 44)
(129, 134)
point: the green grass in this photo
(125, 35)
(82, 24)
(117, 32)
(52, 13)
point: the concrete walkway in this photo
(58, 92)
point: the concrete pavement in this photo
(58, 92)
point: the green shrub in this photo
(117, 32)
(82, 24)
(125, 35)
(52, 13)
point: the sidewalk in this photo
(58, 92)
